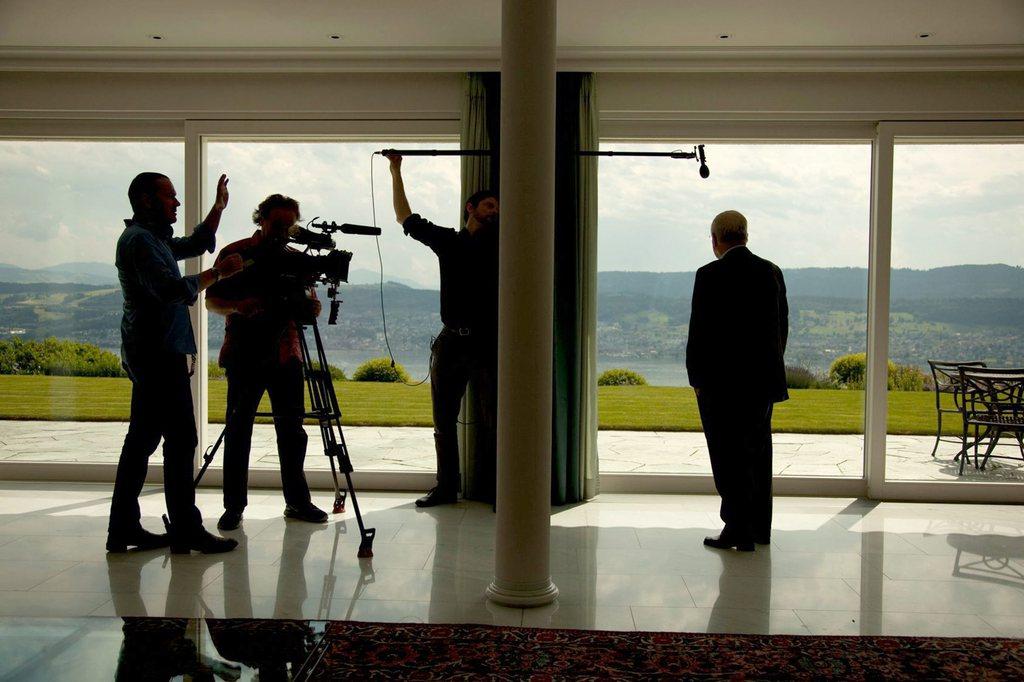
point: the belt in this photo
(459, 331)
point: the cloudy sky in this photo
(807, 205)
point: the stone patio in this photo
(412, 449)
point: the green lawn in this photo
(642, 408)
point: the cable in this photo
(380, 261)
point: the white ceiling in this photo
(455, 24)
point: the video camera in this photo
(327, 264)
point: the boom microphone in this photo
(345, 228)
(704, 171)
(349, 228)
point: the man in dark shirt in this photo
(466, 348)
(156, 340)
(262, 353)
(739, 324)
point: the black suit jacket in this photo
(739, 324)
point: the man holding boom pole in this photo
(466, 347)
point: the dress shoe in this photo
(438, 496)
(724, 541)
(309, 513)
(202, 541)
(140, 538)
(230, 519)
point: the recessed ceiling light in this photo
(724, 36)
(335, 36)
(924, 35)
(156, 37)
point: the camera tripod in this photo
(323, 407)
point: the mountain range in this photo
(106, 273)
(958, 281)
(965, 311)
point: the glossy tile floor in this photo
(835, 566)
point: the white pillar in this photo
(522, 575)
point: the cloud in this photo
(807, 203)
(81, 186)
(332, 181)
(801, 201)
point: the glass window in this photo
(956, 296)
(332, 182)
(63, 396)
(807, 207)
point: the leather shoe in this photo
(724, 541)
(309, 513)
(202, 541)
(436, 496)
(140, 538)
(230, 519)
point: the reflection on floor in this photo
(412, 449)
(621, 562)
(132, 649)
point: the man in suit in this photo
(739, 323)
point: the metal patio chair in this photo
(946, 376)
(993, 401)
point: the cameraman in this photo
(467, 346)
(156, 337)
(262, 352)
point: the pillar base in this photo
(519, 598)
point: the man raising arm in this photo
(156, 338)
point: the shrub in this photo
(801, 377)
(850, 371)
(621, 377)
(380, 369)
(57, 357)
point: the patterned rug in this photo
(376, 651)
(162, 648)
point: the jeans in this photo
(161, 408)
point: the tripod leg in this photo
(325, 408)
(208, 457)
(339, 494)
